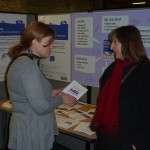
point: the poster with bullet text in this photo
(90, 45)
(11, 27)
(58, 65)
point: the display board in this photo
(81, 49)
(58, 65)
(11, 27)
(90, 45)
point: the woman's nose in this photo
(51, 46)
(111, 46)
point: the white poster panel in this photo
(91, 53)
(58, 65)
(11, 27)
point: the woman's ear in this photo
(34, 42)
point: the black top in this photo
(134, 110)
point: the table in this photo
(82, 136)
(5, 111)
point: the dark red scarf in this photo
(107, 112)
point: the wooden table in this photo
(79, 135)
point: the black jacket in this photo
(134, 110)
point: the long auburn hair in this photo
(131, 41)
(35, 30)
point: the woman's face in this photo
(116, 48)
(42, 48)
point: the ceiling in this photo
(126, 3)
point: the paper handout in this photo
(75, 89)
(84, 127)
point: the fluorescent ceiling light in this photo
(139, 3)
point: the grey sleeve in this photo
(34, 91)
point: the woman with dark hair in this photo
(122, 117)
(33, 123)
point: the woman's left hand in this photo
(57, 92)
(134, 148)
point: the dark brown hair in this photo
(131, 41)
(35, 30)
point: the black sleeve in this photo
(141, 139)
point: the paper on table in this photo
(84, 127)
(7, 104)
(63, 108)
(91, 112)
(79, 105)
(60, 118)
(78, 115)
(75, 89)
(67, 123)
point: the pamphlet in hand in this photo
(75, 89)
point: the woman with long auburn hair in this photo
(122, 117)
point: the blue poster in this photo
(9, 29)
(61, 30)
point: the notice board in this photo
(58, 65)
(11, 27)
(90, 45)
(81, 49)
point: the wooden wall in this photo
(47, 6)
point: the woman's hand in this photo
(57, 92)
(68, 99)
(134, 148)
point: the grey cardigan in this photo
(33, 123)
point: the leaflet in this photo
(75, 89)
(84, 127)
